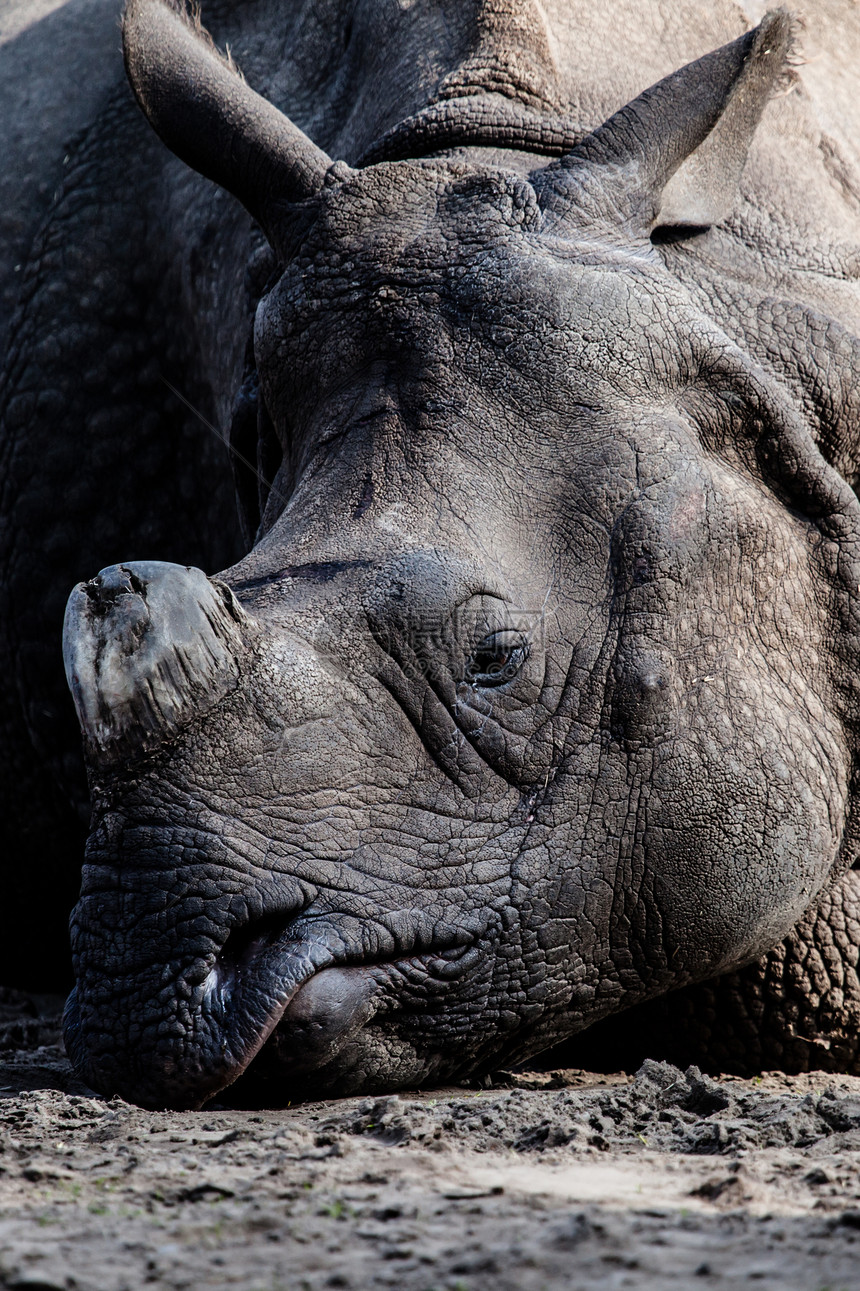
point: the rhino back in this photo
(45, 102)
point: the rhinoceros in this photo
(530, 692)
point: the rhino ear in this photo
(675, 155)
(205, 112)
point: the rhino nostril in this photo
(245, 941)
(244, 945)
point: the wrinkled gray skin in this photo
(504, 422)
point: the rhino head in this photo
(525, 705)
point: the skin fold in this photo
(533, 698)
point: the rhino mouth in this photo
(288, 995)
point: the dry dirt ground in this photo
(567, 1180)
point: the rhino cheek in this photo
(741, 853)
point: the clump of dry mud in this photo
(562, 1180)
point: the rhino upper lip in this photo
(296, 952)
(327, 940)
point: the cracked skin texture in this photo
(489, 419)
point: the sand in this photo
(567, 1179)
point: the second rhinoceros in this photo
(536, 695)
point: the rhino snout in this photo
(147, 646)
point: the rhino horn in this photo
(674, 156)
(205, 112)
(148, 646)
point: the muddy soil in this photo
(542, 1181)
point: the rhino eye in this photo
(497, 659)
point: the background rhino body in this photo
(535, 697)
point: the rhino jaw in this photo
(147, 646)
